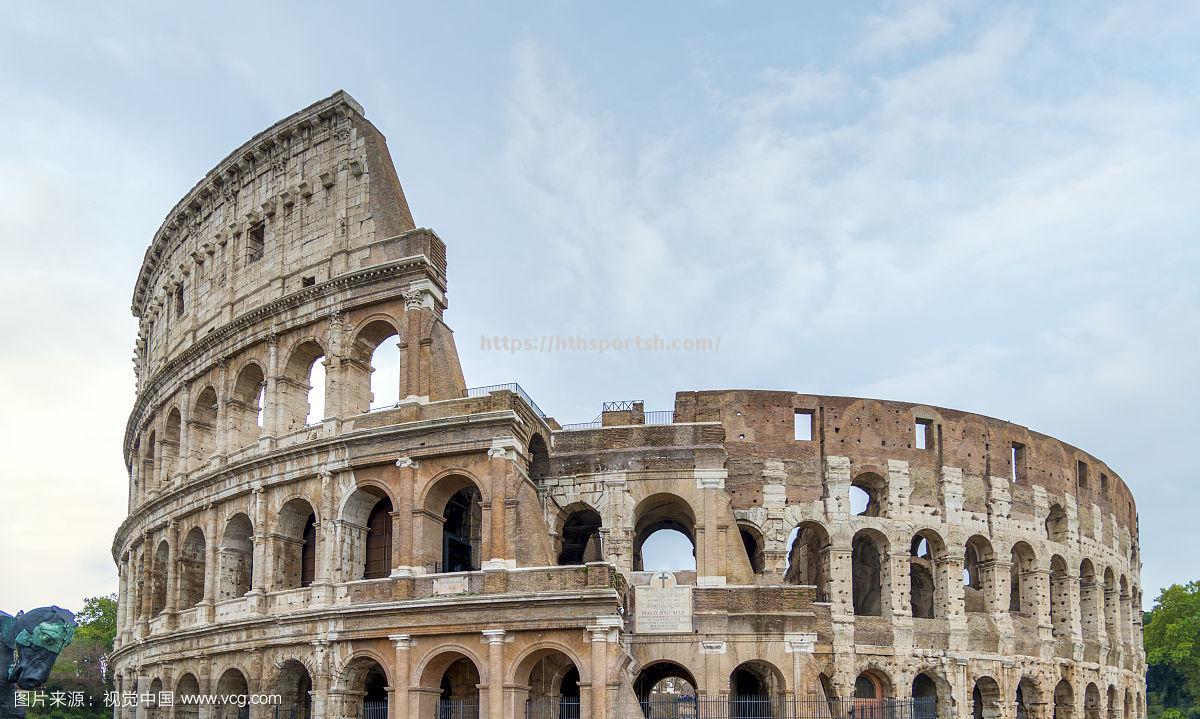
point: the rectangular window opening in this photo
(803, 425)
(255, 242)
(923, 434)
(179, 301)
(308, 281)
(1081, 474)
(1017, 459)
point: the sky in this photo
(980, 205)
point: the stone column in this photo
(147, 588)
(501, 472)
(222, 428)
(323, 571)
(598, 636)
(183, 459)
(402, 536)
(122, 601)
(399, 708)
(1040, 580)
(259, 584)
(212, 565)
(710, 564)
(495, 642)
(805, 682)
(320, 679)
(172, 574)
(271, 412)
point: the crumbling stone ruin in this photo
(458, 553)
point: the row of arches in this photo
(304, 392)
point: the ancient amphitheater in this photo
(459, 554)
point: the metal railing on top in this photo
(373, 710)
(664, 416)
(457, 709)
(511, 387)
(768, 707)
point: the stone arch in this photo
(1113, 702)
(451, 678)
(539, 459)
(295, 545)
(1111, 610)
(580, 540)
(548, 678)
(232, 683)
(927, 596)
(872, 687)
(1091, 701)
(1090, 602)
(1056, 526)
(159, 578)
(154, 710)
(364, 679)
(985, 698)
(1064, 700)
(808, 558)
(246, 404)
(1028, 699)
(202, 426)
(187, 691)
(977, 580)
(662, 685)
(298, 393)
(752, 542)
(869, 567)
(367, 532)
(1125, 619)
(370, 352)
(1130, 707)
(932, 695)
(870, 490)
(236, 557)
(1022, 595)
(293, 683)
(756, 691)
(192, 561)
(1060, 597)
(171, 440)
(453, 523)
(149, 466)
(659, 512)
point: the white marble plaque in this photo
(663, 607)
(450, 585)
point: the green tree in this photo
(1172, 640)
(83, 664)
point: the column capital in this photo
(493, 636)
(710, 478)
(407, 463)
(402, 641)
(803, 643)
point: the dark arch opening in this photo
(867, 575)
(581, 541)
(665, 689)
(752, 542)
(539, 460)
(924, 697)
(462, 531)
(378, 555)
(808, 558)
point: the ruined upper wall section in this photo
(760, 425)
(310, 198)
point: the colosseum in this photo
(295, 547)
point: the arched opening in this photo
(924, 697)
(925, 551)
(808, 558)
(149, 478)
(158, 579)
(294, 688)
(871, 689)
(539, 460)
(374, 369)
(295, 545)
(237, 557)
(1060, 597)
(1089, 605)
(976, 585)
(1064, 700)
(462, 531)
(233, 690)
(1028, 699)
(753, 544)
(553, 681)
(187, 702)
(1125, 620)
(301, 389)
(868, 572)
(1022, 593)
(868, 493)
(366, 534)
(756, 691)
(1056, 524)
(459, 685)
(191, 569)
(367, 689)
(1091, 702)
(155, 710)
(1111, 611)
(1130, 706)
(1114, 706)
(244, 410)
(172, 432)
(664, 534)
(202, 427)
(985, 699)
(665, 690)
(581, 541)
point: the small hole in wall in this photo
(741, 436)
(308, 281)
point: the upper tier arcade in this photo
(306, 221)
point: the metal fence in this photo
(511, 387)
(552, 708)
(458, 709)
(765, 707)
(663, 416)
(373, 710)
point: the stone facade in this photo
(462, 553)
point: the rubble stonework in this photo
(462, 549)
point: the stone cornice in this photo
(342, 282)
(339, 103)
